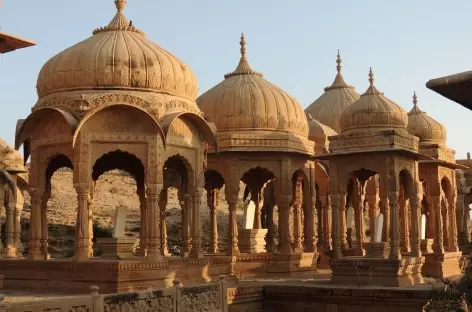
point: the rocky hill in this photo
(113, 189)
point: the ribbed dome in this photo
(118, 56)
(245, 101)
(319, 133)
(423, 126)
(373, 112)
(10, 160)
(329, 107)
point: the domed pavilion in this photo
(116, 101)
(324, 116)
(374, 145)
(13, 184)
(328, 108)
(263, 139)
(438, 175)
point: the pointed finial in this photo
(338, 61)
(371, 77)
(243, 45)
(415, 99)
(120, 5)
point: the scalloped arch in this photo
(102, 108)
(206, 129)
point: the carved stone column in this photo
(270, 246)
(415, 232)
(44, 223)
(385, 204)
(359, 214)
(186, 205)
(10, 227)
(438, 245)
(90, 217)
(452, 246)
(327, 222)
(445, 218)
(153, 229)
(162, 219)
(212, 200)
(334, 198)
(342, 217)
(17, 219)
(394, 225)
(82, 226)
(283, 203)
(258, 212)
(373, 203)
(231, 194)
(143, 224)
(461, 217)
(311, 230)
(34, 239)
(402, 221)
(297, 228)
(196, 251)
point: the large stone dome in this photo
(424, 127)
(373, 112)
(329, 107)
(244, 102)
(118, 56)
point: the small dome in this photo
(319, 134)
(373, 112)
(329, 107)
(118, 56)
(10, 159)
(423, 126)
(245, 101)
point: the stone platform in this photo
(111, 276)
(270, 264)
(442, 265)
(380, 272)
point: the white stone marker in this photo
(423, 227)
(379, 222)
(249, 214)
(120, 221)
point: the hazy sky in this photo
(294, 43)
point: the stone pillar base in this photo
(324, 259)
(252, 240)
(442, 265)
(116, 247)
(377, 250)
(426, 246)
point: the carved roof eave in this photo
(443, 163)
(271, 141)
(395, 150)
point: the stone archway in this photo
(121, 163)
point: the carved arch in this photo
(208, 132)
(8, 180)
(26, 127)
(96, 111)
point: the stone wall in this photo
(209, 298)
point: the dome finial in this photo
(120, 5)
(243, 67)
(243, 45)
(415, 99)
(338, 61)
(371, 77)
